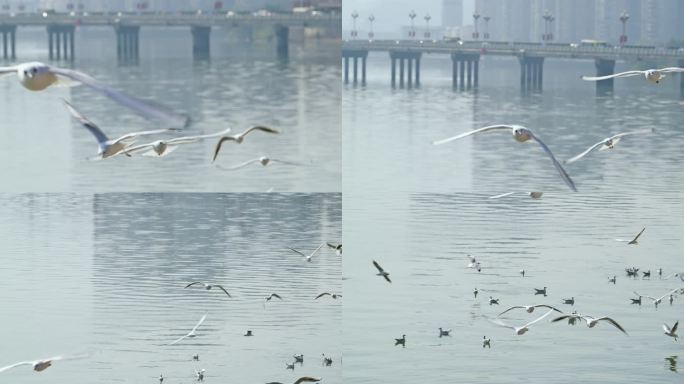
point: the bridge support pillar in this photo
(406, 61)
(9, 41)
(61, 42)
(201, 41)
(531, 72)
(465, 68)
(604, 67)
(282, 34)
(127, 42)
(355, 55)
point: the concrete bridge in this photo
(61, 27)
(465, 57)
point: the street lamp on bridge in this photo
(476, 17)
(623, 19)
(412, 32)
(354, 16)
(371, 19)
(486, 19)
(548, 28)
(427, 25)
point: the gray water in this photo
(419, 210)
(243, 84)
(105, 274)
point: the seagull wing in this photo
(136, 148)
(387, 278)
(192, 139)
(556, 164)
(199, 323)
(223, 289)
(668, 294)
(316, 250)
(540, 318)
(322, 294)
(285, 162)
(483, 129)
(510, 309)
(548, 306)
(294, 250)
(639, 234)
(502, 195)
(637, 132)
(307, 379)
(4, 71)
(614, 323)
(16, 365)
(378, 267)
(191, 284)
(276, 295)
(666, 328)
(179, 339)
(217, 148)
(500, 323)
(561, 318)
(586, 152)
(241, 165)
(145, 108)
(89, 125)
(621, 74)
(674, 327)
(259, 128)
(144, 133)
(671, 69)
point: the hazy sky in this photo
(390, 15)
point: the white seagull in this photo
(107, 147)
(672, 332)
(240, 137)
(208, 286)
(42, 364)
(591, 321)
(36, 76)
(194, 330)
(652, 75)
(534, 195)
(521, 135)
(659, 300)
(336, 247)
(160, 148)
(608, 143)
(263, 160)
(634, 241)
(308, 258)
(522, 329)
(530, 308)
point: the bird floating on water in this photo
(608, 143)
(570, 301)
(652, 75)
(540, 291)
(486, 342)
(520, 134)
(36, 76)
(493, 301)
(444, 332)
(401, 341)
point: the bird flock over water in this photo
(36, 76)
(196, 331)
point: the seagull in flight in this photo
(608, 143)
(381, 272)
(42, 364)
(308, 258)
(652, 75)
(209, 286)
(333, 295)
(268, 298)
(193, 332)
(530, 308)
(336, 247)
(521, 135)
(161, 148)
(672, 332)
(534, 195)
(107, 147)
(591, 321)
(659, 300)
(305, 379)
(522, 329)
(240, 137)
(263, 160)
(634, 241)
(36, 76)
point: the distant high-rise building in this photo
(452, 13)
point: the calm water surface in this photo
(242, 85)
(419, 210)
(105, 274)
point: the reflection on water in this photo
(241, 85)
(106, 273)
(564, 242)
(671, 363)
